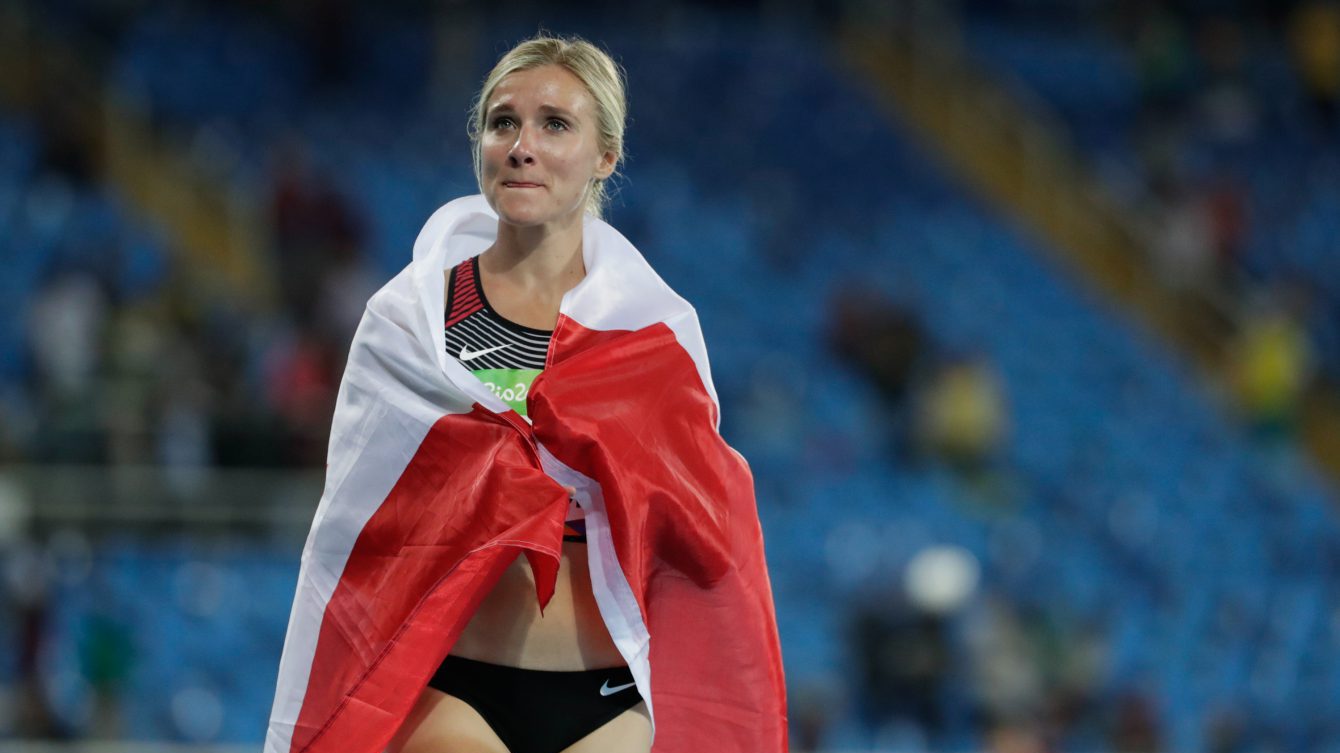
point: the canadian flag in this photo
(433, 487)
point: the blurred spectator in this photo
(70, 309)
(349, 281)
(1201, 230)
(1033, 675)
(1314, 40)
(1005, 668)
(878, 336)
(106, 660)
(1184, 242)
(184, 409)
(1135, 727)
(1272, 362)
(313, 226)
(903, 658)
(325, 282)
(66, 320)
(1229, 110)
(28, 587)
(65, 149)
(134, 354)
(238, 364)
(961, 413)
(810, 713)
(887, 343)
(1226, 205)
(1075, 666)
(1015, 737)
(302, 376)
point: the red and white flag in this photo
(433, 486)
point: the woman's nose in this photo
(522, 151)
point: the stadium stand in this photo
(1146, 558)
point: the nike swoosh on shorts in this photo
(607, 690)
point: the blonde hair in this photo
(602, 77)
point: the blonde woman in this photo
(532, 537)
(548, 133)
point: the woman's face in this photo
(540, 148)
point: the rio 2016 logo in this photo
(509, 394)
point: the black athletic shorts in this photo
(538, 711)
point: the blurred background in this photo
(1026, 314)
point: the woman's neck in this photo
(545, 261)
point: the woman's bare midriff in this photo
(508, 629)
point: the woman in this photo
(568, 415)
(544, 147)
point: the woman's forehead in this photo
(546, 87)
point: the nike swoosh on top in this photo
(467, 354)
(607, 690)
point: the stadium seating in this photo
(1204, 564)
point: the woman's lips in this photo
(512, 184)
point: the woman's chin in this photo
(522, 219)
(515, 212)
(525, 214)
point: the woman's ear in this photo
(605, 167)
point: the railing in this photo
(34, 746)
(139, 499)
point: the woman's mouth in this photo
(514, 184)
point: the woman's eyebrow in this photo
(547, 109)
(555, 110)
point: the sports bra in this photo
(502, 354)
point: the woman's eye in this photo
(557, 125)
(502, 122)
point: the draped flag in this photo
(433, 487)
